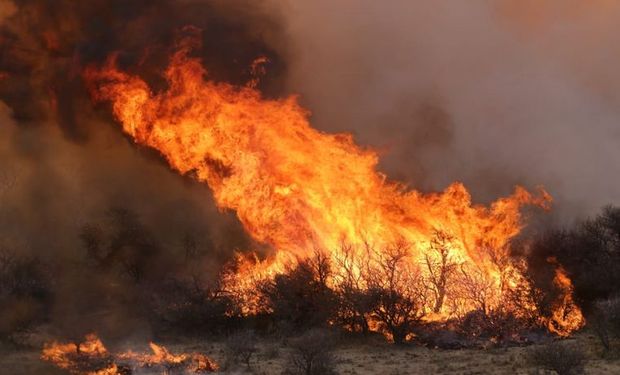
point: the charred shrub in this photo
(240, 347)
(382, 286)
(562, 358)
(120, 244)
(174, 287)
(312, 354)
(443, 335)
(25, 292)
(590, 252)
(301, 297)
(354, 302)
(396, 293)
(189, 307)
(496, 326)
(605, 321)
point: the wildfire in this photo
(192, 362)
(566, 316)
(89, 357)
(298, 189)
(92, 358)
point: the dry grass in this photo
(363, 357)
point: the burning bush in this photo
(302, 296)
(189, 307)
(385, 290)
(355, 303)
(441, 266)
(398, 297)
(590, 254)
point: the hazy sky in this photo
(492, 93)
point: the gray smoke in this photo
(65, 165)
(490, 93)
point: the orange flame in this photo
(77, 358)
(566, 317)
(296, 188)
(92, 358)
(193, 362)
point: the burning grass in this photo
(374, 356)
(92, 358)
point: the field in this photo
(355, 356)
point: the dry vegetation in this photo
(354, 356)
(302, 333)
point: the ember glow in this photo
(92, 358)
(300, 191)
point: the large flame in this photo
(298, 189)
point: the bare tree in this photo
(606, 320)
(441, 266)
(500, 257)
(301, 295)
(311, 354)
(241, 346)
(397, 291)
(477, 288)
(320, 265)
(354, 304)
(123, 243)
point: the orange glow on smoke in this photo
(298, 189)
(536, 15)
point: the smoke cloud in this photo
(64, 161)
(65, 165)
(491, 93)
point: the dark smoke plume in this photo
(65, 168)
(46, 44)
